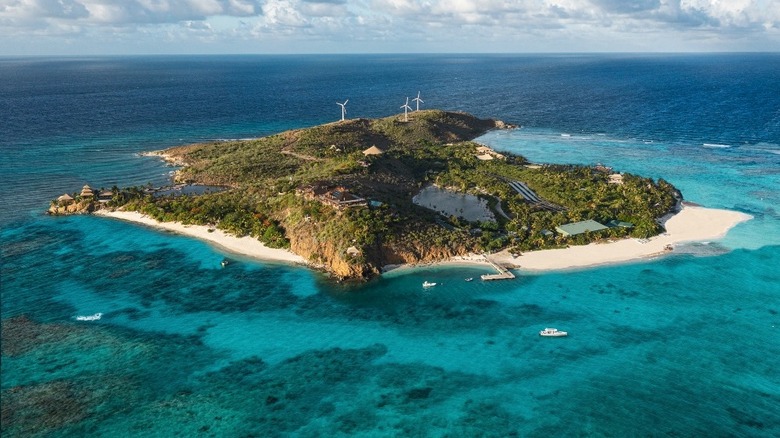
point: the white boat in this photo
(428, 284)
(224, 263)
(94, 317)
(470, 278)
(552, 332)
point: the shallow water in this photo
(682, 345)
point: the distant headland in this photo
(358, 195)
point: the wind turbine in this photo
(343, 109)
(418, 100)
(406, 108)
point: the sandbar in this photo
(248, 246)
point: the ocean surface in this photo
(686, 345)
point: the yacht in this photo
(94, 317)
(552, 332)
(428, 284)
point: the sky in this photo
(122, 27)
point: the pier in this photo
(503, 273)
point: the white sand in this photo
(690, 225)
(246, 245)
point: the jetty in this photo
(503, 273)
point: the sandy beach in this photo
(691, 224)
(246, 245)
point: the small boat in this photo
(552, 332)
(469, 279)
(224, 263)
(94, 317)
(428, 284)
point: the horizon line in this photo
(551, 53)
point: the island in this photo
(358, 196)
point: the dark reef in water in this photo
(20, 335)
(45, 407)
(67, 380)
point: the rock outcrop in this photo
(82, 207)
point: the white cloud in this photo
(283, 14)
(438, 25)
(121, 12)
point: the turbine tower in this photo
(418, 100)
(406, 108)
(343, 109)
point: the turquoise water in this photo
(684, 345)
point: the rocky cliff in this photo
(330, 255)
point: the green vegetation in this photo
(233, 212)
(266, 199)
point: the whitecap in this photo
(716, 145)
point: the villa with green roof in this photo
(618, 223)
(576, 228)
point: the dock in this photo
(503, 273)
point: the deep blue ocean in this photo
(686, 345)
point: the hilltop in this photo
(356, 195)
(331, 150)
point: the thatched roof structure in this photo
(86, 191)
(373, 150)
(65, 198)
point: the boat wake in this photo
(94, 317)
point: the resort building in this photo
(373, 150)
(105, 196)
(86, 192)
(616, 178)
(485, 153)
(341, 198)
(65, 199)
(338, 197)
(576, 228)
(616, 223)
